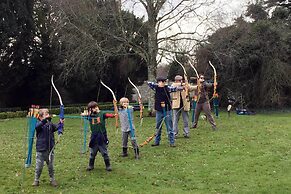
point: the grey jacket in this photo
(123, 117)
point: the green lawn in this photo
(249, 154)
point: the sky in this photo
(229, 6)
(223, 13)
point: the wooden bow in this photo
(139, 101)
(214, 80)
(114, 104)
(185, 77)
(196, 97)
(214, 95)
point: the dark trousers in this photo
(207, 110)
(102, 149)
(125, 136)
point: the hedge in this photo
(56, 110)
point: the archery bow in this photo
(60, 99)
(197, 75)
(214, 95)
(195, 97)
(139, 101)
(62, 116)
(114, 104)
(186, 79)
(214, 80)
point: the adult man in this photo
(203, 103)
(181, 104)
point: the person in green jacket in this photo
(98, 140)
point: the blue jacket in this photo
(45, 139)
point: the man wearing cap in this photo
(181, 104)
(163, 109)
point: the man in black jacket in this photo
(163, 108)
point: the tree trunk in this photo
(152, 62)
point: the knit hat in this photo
(178, 78)
(161, 79)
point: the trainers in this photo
(108, 168)
(123, 154)
(155, 144)
(35, 183)
(89, 168)
(54, 183)
(172, 145)
(186, 136)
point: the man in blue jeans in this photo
(163, 109)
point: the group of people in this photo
(167, 107)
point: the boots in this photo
(136, 152)
(35, 183)
(107, 164)
(54, 183)
(91, 164)
(124, 152)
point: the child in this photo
(127, 127)
(163, 108)
(45, 142)
(98, 140)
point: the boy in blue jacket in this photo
(45, 142)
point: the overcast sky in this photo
(226, 11)
(229, 6)
(224, 14)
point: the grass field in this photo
(249, 154)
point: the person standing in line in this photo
(163, 109)
(203, 103)
(181, 105)
(127, 127)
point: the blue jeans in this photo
(169, 125)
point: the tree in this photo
(92, 48)
(26, 53)
(164, 15)
(252, 60)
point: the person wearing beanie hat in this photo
(181, 104)
(163, 109)
(160, 78)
